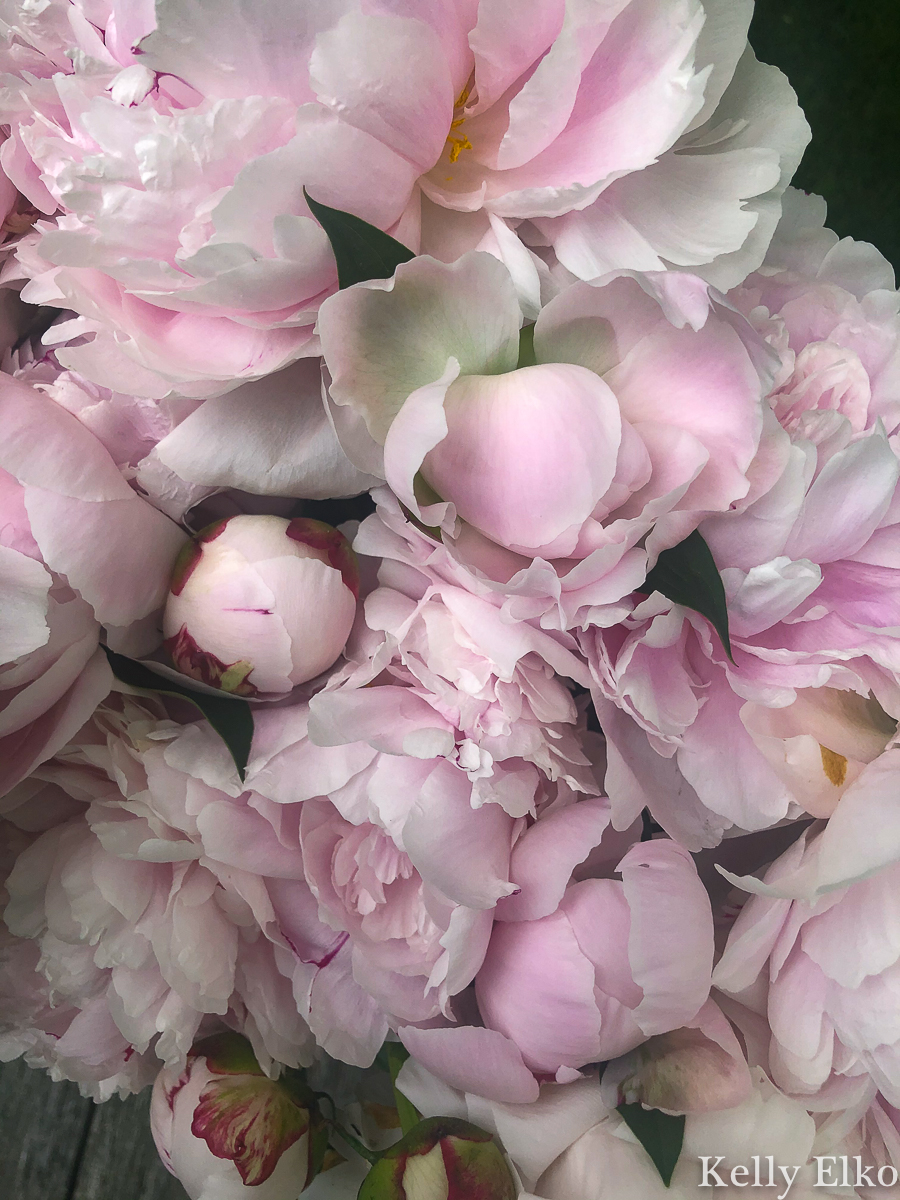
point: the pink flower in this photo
(607, 1162)
(406, 854)
(831, 309)
(413, 948)
(568, 1141)
(78, 548)
(615, 963)
(271, 437)
(640, 414)
(436, 629)
(259, 604)
(808, 561)
(189, 266)
(823, 972)
(203, 918)
(83, 518)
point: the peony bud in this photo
(260, 604)
(223, 1127)
(442, 1158)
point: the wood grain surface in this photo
(55, 1145)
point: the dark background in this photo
(843, 58)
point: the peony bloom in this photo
(615, 963)
(500, 686)
(223, 1128)
(831, 309)
(271, 437)
(823, 972)
(339, 890)
(259, 604)
(809, 707)
(79, 548)
(409, 842)
(609, 126)
(607, 1162)
(557, 470)
(568, 1143)
(159, 906)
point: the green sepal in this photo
(474, 1163)
(384, 1180)
(361, 251)
(231, 719)
(228, 1053)
(687, 574)
(661, 1135)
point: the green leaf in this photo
(231, 719)
(527, 357)
(661, 1135)
(687, 574)
(409, 1115)
(361, 251)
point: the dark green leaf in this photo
(409, 1115)
(361, 251)
(527, 356)
(687, 575)
(231, 719)
(661, 1135)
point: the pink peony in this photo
(808, 560)
(271, 437)
(500, 686)
(568, 1143)
(259, 604)
(615, 963)
(195, 268)
(159, 903)
(823, 973)
(607, 1162)
(410, 843)
(562, 476)
(341, 889)
(79, 549)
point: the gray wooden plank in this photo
(120, 1160)
(55, 1145)
(44, 1127)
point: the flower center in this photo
(456, 141)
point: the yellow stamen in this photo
(460, 142)
(457, 145)
(834, 766)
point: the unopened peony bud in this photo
(223, 1127)
(442, 1158)
(260, 604)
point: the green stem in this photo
(371, 1156)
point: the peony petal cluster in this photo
(449, 671)
(557, 457)
(168, 168)
(809, 703)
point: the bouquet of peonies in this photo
(450, 576)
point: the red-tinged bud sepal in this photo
(246, 1117)
(442, 1158)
